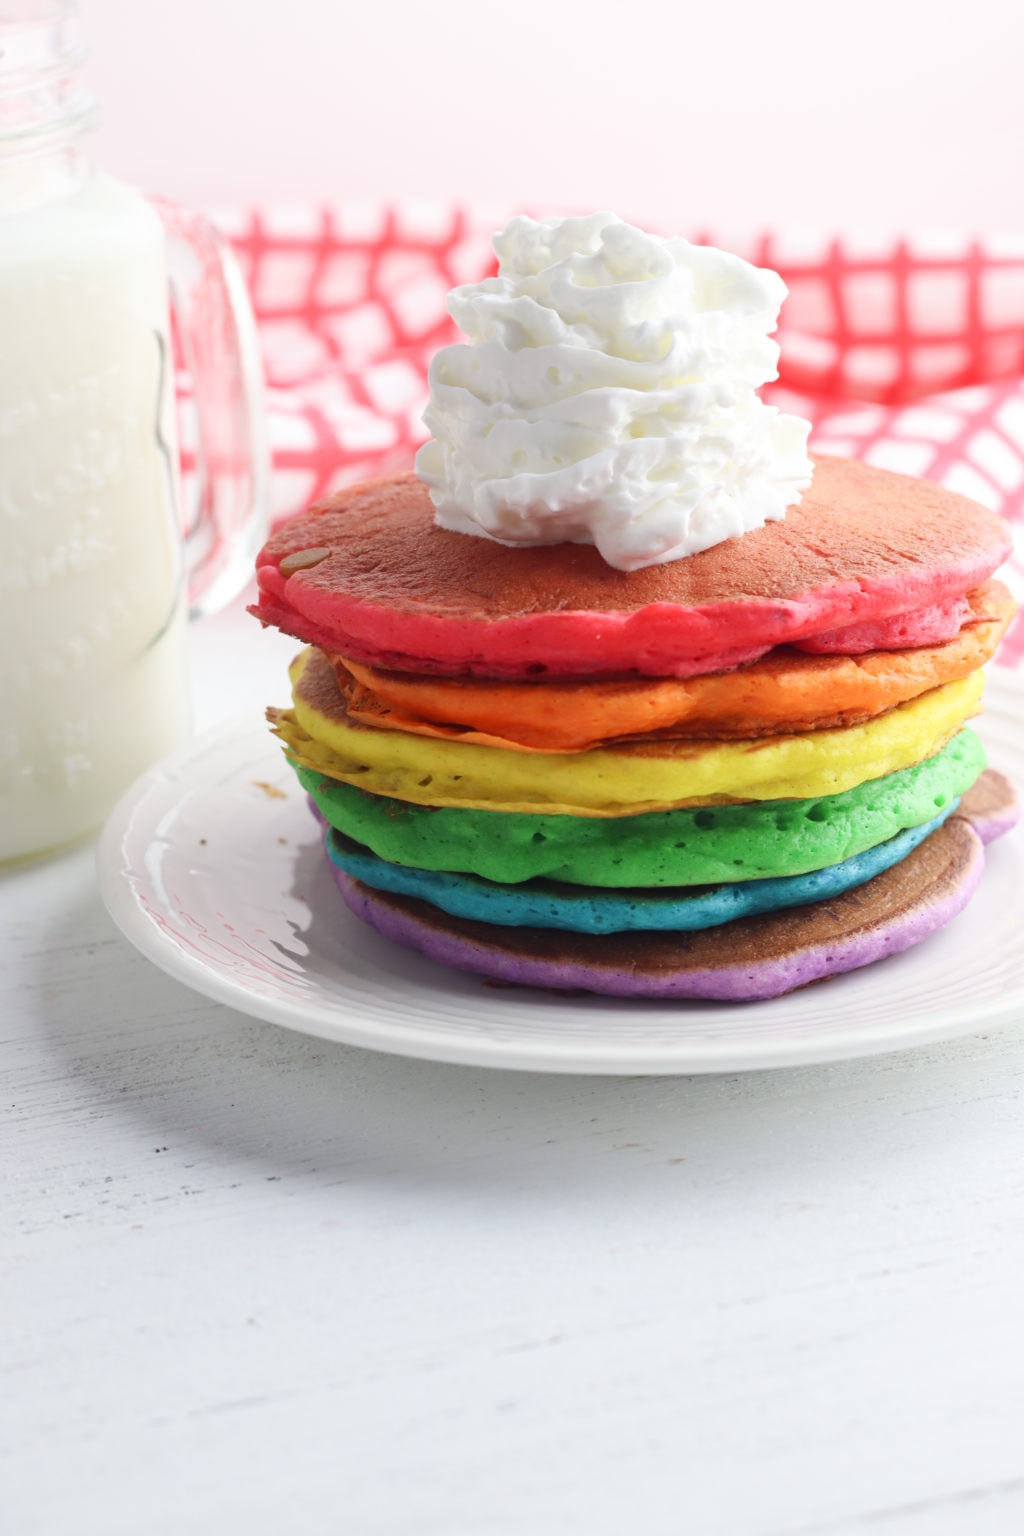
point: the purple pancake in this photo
(991, 805)
(745, 960)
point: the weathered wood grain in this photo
(254, 1282)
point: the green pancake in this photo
(701, 846)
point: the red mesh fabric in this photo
(908, 353)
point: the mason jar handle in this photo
(216, 332)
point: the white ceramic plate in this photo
(212, 866)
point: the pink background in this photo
(887, 113)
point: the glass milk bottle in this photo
(96, 558)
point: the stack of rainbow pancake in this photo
(723, 776)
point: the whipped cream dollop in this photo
(607, 395)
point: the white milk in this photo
(93, 683)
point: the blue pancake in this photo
(549, 904)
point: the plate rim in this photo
(591, 1057)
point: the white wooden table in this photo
(257, 1283)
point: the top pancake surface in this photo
(863, 543)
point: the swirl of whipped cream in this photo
(606, 396)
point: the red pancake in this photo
(369, 575)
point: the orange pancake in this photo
(785, 691)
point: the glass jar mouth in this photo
(42, 50)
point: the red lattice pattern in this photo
(906, 353)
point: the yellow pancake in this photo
(617, 781)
